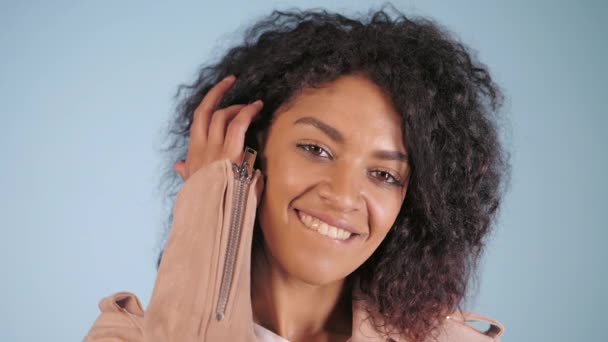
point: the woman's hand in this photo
(217, 134)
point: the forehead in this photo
(352, 104)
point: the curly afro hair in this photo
(448, 102)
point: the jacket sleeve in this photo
(184, 299)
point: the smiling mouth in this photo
(323, 228)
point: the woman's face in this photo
(336, 178)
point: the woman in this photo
(378, 175)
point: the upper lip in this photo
(333, 221)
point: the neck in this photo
(295, 309)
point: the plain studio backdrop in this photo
(86, 92)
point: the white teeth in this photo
(315, 223)
(307, 220)
(333, 232)
(324, 228)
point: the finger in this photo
(202, 114)
(203, 150)
(219, 122)
(180, 168)
(235, 134)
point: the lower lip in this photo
(345, 241)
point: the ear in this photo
(259, 146)
(259, 185)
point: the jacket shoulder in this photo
(459, 327)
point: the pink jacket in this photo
(202, 291)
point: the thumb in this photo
(180, 168)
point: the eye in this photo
(315, 150)
(387, 177)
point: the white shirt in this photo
(264, 335)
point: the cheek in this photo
(289, 175)
(383, 211)
(285, 182)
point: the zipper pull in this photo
(245, 170)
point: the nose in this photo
(342, 189)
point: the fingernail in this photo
(258, 103)
(229, 78)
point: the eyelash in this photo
(395, 181)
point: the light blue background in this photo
(86, 92)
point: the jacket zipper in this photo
(243, 174)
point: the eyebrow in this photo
(333, 133)
(391, 155)
(336, 136)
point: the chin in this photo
(303, 254)
(317, 274)
(308, 264)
